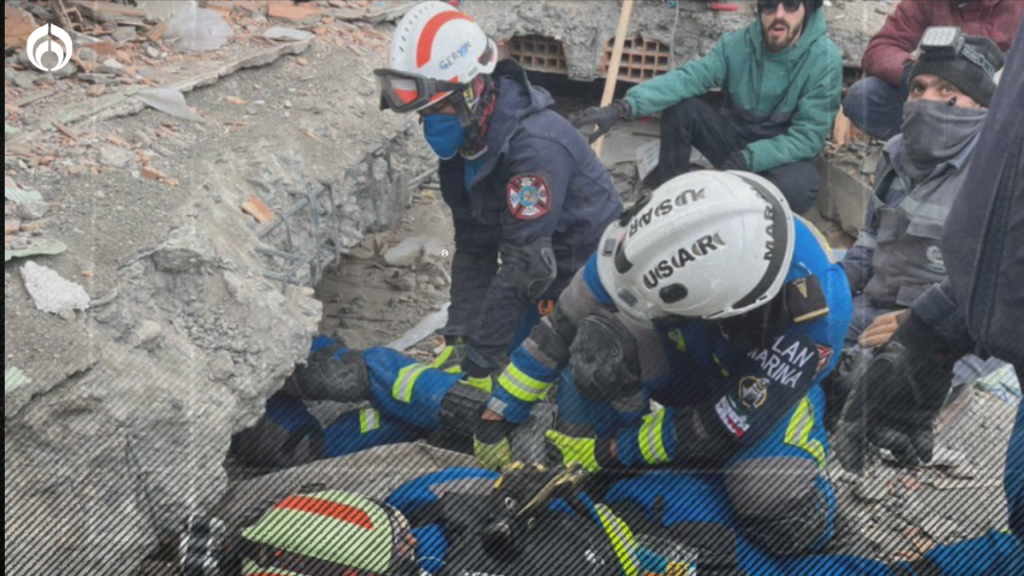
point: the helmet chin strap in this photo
(474, 107)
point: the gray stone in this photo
(33, 210)
(183, 254)
(147, 334)
(222, 366)
(124, 34)
(93, 78)
(309, 104)
(402, 283)
(153, 52)
(111, 66)
(115, 157)
(24, 80)
(409, 251)
(142, 138)
(66, 71)
(86, 54)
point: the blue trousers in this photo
(876, 107)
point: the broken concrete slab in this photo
(198, 30)
(168, 101)
(51, 293)
(409, 251)
(283, 33)
(843, 197)
(36, 247)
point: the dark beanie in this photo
(970, 78)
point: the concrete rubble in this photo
(52, 294)
(208, 212)
(127, 407)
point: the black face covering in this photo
(935, 132)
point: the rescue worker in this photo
(714, 300)
(529, 201)
(782, 79)
(442, 524)
(875, 103)
(978, 305)
(523, 186)
(921, 173)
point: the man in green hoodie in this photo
(782, 78)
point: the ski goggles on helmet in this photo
(947, 43)
(407, 92)
(770, 6)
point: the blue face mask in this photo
(444, 133)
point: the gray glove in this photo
(596, 122)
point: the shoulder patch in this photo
(528, 196)
(805, 300)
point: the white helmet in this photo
(703, 245)
(435, 50)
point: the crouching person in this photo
(714, 300)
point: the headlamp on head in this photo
(947, 43)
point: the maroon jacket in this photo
(893, 46)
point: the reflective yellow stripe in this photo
(622, 540)
(406, 380)
(798, 432)
(720, 367)
(369, 420)
(518, 384)
(677, 337)
(484, 383)
(445, 355)
(650, 438)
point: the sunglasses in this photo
(771, 6)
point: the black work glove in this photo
(735, 161)
(596, 122)
(892, 405)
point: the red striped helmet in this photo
(435, 50)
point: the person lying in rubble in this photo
(875, 103)
(465, 521)
(529, 201)
(782, 80)
(898, 256)
(713, 299)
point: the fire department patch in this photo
(528, 197)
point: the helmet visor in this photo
(405, 92)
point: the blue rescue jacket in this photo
(742, 379)
(538, 179)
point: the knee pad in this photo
(779, 504)
(461, 408)
(605, 360)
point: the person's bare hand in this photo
(882, 329)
